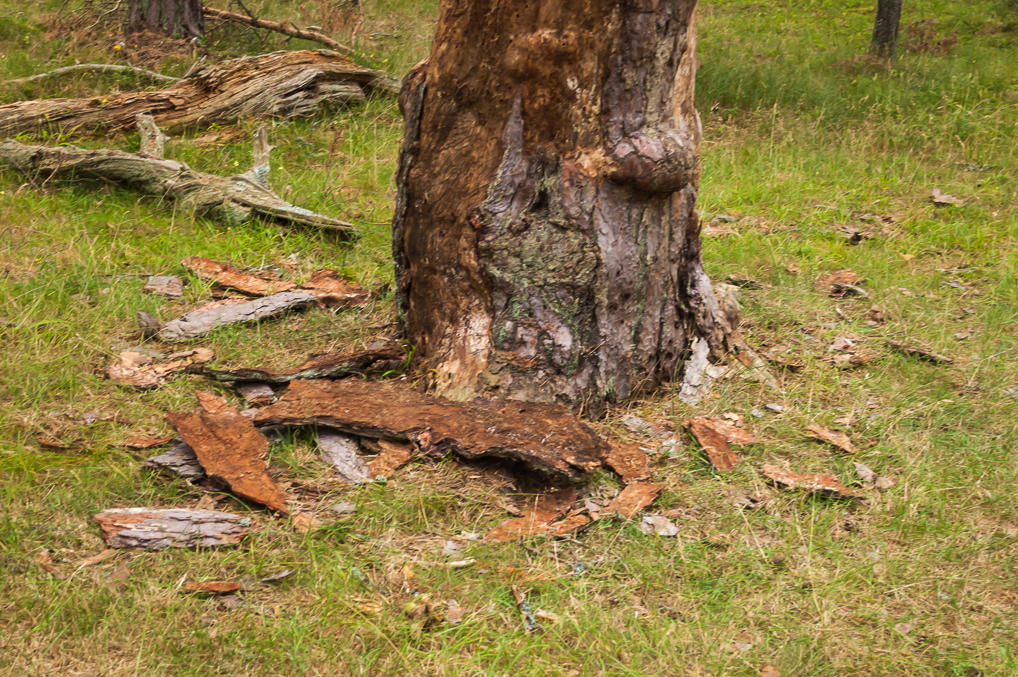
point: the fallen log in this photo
(232, 198)
(276, 85)
(285, 27)
(545, 437)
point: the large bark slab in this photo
(545, 238)
(544, 437)
(157, 529)
(277, 85)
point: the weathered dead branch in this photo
(234, 198)
(276, 85)
(91, 68)
(284, 27)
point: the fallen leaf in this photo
(832, 437)
(165, 285)
(226, 275)
(212, 587)
(230, 449)
(156, 529)
(812, 482)
(634, 498)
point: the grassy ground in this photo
(803, 138)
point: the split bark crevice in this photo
(545, 237)
(276, 85)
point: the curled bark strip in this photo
(92, 68)
(275, 85)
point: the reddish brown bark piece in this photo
(542, 517)
(628, 460)
(841, 277)
(832, 437)
(812, 482)
(212, 587)
(144, 372)
(333, 291)
(155, 529)
(166, 285)
(145, 441)
(634, 498)
(230, 449)
(337, 365)
(393, 456)
(715, 435)
(52, 444)
(226, 275)
(545, 437)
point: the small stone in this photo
(756, 413)
(776, 408)
(344, 508)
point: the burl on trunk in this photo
(545, 237)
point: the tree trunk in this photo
(885, 28)
(545, 238)
(175, 18)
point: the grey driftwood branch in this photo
(92, 68)
(231, 198)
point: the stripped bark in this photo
(276, 85)
(545, 238)
(234, 198)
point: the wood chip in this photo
(628, 460)
(226, 275)
(180, 460)
(634, 498)
(832, 437)
(165, 285)
(343, 453)
(155, 529)
(218, 314)
(715, 435)
(142, 371)
(230, 449)
(812, 482)
(544, 437)
(256, 394)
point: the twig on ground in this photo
(92, 68)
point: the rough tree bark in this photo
(885, 28)
(545, 238)
(175, 18)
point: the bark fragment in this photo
(166, 285)
(146, 442)
(143, 372)
(226, 275)
(391, 457)
(230, 449)
(180, 460)
(628, 460)
(811, 482)
(832, 437)
(333, 365)
(634, 498)
(545, 437)
(335, 292)
(343, 453)
(919, 353)
(715, 435)
(541, 517)
(218, 314)
(157, 529)
(277, 85)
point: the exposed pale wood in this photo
(276, 85)
(151, 140)
(220, 314)
(92, 68)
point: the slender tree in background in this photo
(545, 238)
(885, 28)
(175, 18)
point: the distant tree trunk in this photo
(545, 238)
(175, 18)
(885, 28)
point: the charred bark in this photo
(885, 28)
(545, 238)
(175, 18)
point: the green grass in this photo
(802, 136)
